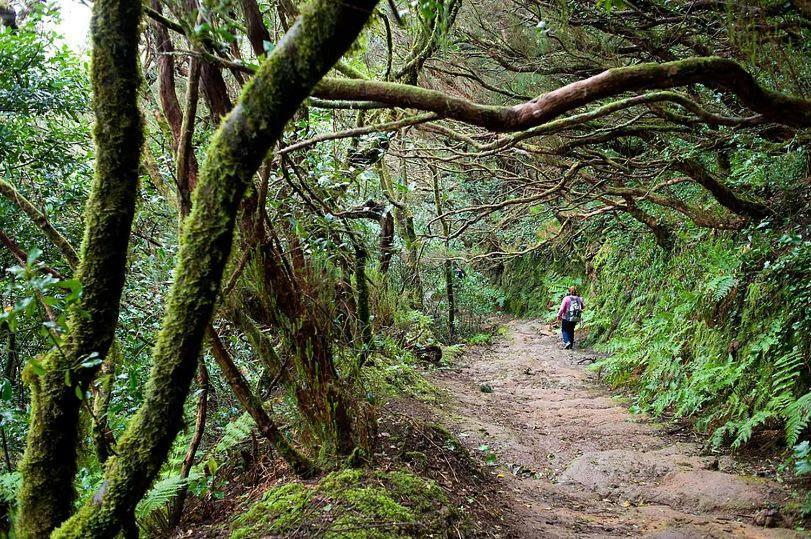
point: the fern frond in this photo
(797, 416)
(236, 432)
(746, 428)
(719, 287)
(163, 492)
(9, 485)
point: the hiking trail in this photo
(572, 461)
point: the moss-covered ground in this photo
(352, 504)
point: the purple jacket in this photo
(564, 307)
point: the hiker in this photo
(569, 315)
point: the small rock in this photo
(767, 518)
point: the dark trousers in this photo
(567, 329)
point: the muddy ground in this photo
(570, 460)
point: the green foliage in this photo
(393, 373)
(714, 330)
(235, 432)
(802, 466)
(535, 285)
(45, 142)
(480, 339)
(35, 291)
(162, 493)
(797, 416)
(706, 333)
(9, 485)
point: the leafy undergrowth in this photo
(713, 332)
(709, 333)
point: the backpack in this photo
(575, 311)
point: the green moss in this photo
(350, 504)
(279, 509)
(417, 457)
(392, 372)
(342, 479)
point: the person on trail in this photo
(569, 315)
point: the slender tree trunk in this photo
(386, 241)
(364, 322)
(186, 164)
(449, 290)
(409, 235)
(258, 35)
(6, 456)
(102, 390)
(448, 266)
(253, 405)
(194, 444)
(41, 220)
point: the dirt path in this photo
(576, 463)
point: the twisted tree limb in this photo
(713, 71)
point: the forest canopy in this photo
(257, 222)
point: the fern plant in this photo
(797, 416)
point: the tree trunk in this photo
(102, 389)
(663, 235)
(386, 241)
(199, 428)
(322, 33)
(446, 230)
(409, 235)
(253, 405)
(364, 323)
(49, 463)
(41, 220)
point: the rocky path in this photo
(574, 462)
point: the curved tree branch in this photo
(714, 71)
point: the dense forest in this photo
(256, 253)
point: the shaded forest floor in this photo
(571, 460)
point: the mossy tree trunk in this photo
(323, 32)
(49, 463)
(725, 196)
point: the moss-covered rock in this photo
(352, 504)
